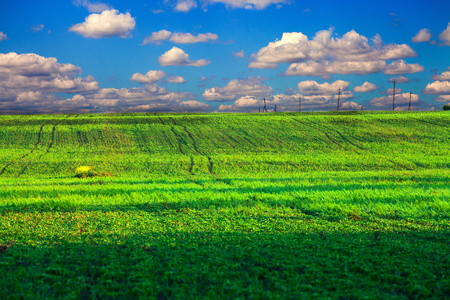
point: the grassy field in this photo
(180, 206)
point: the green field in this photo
(182, 206)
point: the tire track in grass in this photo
(320, 139)
(49, 146)
(340, 134)
(318, 129)
(53, 132)
(195, 146)
(25, 155)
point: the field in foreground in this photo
(351, 205)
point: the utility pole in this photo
(259, 109)
(275, 108)
(300, 104)
(339, 98)
(265, 107)
(409, 107)
(393, 98)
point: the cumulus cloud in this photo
(176, 79)
(325, 54)
(400, 100)
(194, 106)
(443, 98)
(437, 88)
(311, 87)
(365, 88)
(151, 77)
(327, 68)
(2, 36)
(30, 83)
(148, 98)
(399, 79)
(444, 76)
(92, 7)
(251, 87)
(246, 4)
(289, 102)
(444, 36)
(177, 57)
(350, 105)
(33, 72)
(37, 27)
(109, 23)
(401, 67)
(391, 91)
(179, 37)
(240, 54)
(424, 35)
(185, 5)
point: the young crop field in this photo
(182, 206)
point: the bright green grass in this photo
(226, 206)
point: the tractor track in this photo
(340, 134)
(318, 129)
(49, 146)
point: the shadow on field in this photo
(226, 265)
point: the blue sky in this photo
(222, 55)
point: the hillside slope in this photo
(181, 144)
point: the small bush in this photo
(84, 172)
(446, 107)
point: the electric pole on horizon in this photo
(393, 98)
(339, 98)
(300, 104)
(409, 106)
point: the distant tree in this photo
(446, 107)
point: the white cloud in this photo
(391, 91)
(325, 54)
(34, 72)
(445, 76)
(327, 68)
(187, 38)
(91, 7)
(176, 79)
(194, 106)
(251, 87)
(445, 35)
(107, 24)
(289, 102)
(185, 5)
(179, 37)
(365, 88)
(401, 67)
(38, 27)
(240, 54)
(438, 88)
(151, 77)
(400, 100)
(157, 37)
(30, 83)
(246, 4)
(350, 105)
(443, 98)
(399, 79)
(2, 36)
(311, 87)
(177, 57)
(423, 35)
